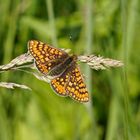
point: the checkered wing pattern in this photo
(71, 83)
(46, 56)
(58, 84)
(76, 87)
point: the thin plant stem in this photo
(88, 50)
(49, 4)
(8, 45)
(130, 26)
(125, 56)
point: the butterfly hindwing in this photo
(76, 87)
(71, 83)
(59, 84)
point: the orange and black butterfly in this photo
(62, 67)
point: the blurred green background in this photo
(104, 27)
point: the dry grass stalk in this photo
(13, 85)
(95, 62)
(99, 63)
(18, 61)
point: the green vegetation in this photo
(105, 27)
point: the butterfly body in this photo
(63, 68)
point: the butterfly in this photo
(66, 78)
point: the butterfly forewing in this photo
(76, 87)
(46, 57)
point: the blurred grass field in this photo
(104, 27)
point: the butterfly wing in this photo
(45, 68)
(71, 83)
(76, 87)
(58, 84)
(46, 56)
